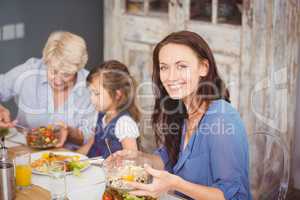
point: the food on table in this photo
(119, 173)
(128, 171)
(114, 194)
(43, 137)
(73, 163)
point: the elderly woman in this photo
(52, 90)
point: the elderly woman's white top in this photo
(28, 84)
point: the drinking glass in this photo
(23, 169)
(57, 171)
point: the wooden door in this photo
(219, 23)
(269, 73)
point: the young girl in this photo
(113, 94)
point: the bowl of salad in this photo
(119, 173)
(114, 194)
(43, 137)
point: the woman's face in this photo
(180, 70)
(100, 97)
(60, 81)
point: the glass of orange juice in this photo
(23, 169)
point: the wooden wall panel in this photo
(270, 64)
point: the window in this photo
(217, 11)
(147, 7)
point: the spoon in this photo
(108, 146)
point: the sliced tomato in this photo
(107, 196)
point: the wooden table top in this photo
(33, 193)
(38, 193)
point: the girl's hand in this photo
(123, 154)
(127, 153)
(163, 181)
(117, 158)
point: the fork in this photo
(22, 127)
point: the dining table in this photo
(89, 185)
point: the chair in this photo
(269, 166)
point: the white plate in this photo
(36, 156)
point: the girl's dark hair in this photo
(115, 76)
(169, 114)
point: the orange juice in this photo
(23, 175)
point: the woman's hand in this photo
(63, 134)
(163, 182)
(5, 121)
(84, 149)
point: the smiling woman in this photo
(202, 141)
(52, 90)
(178, 78)
(64, 54)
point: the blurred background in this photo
(255, 43)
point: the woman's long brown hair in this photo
(115, 76)
(169, 114)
